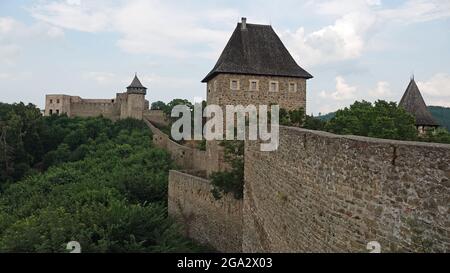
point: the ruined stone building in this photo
(256, 68)
(414, 103)
(130, 104)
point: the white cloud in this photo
(357, 22)
(343, 91)
(89, 17)
(345, 94)
(344, 40)
(145, 26)
(5, 76)
(14, 35)
(381, 91)
(8, 53)
(102, 78)
(436, 90)
(162, 27)
(74, 2)
(418, 11)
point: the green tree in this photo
(108, 192)
(381, 120)
(232, 180)
(158, 105)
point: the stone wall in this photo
(321, 192)
(157, 117)
(220, 93)
(217, 223)
(123, 106)
(184, 157)
(57, 104)
(92, 109)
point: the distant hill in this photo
(441, 114)
(327, 117)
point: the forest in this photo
(89, 180)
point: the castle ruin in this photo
(130, 104)
(319, 192)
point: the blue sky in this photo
(356, 49)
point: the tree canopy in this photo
(100, 183)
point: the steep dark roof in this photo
(413, 102)
(136, 83)
(256, 50)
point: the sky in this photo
(355, 49)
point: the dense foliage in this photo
(381, 120)
(299, 118)
(105, 186)
(232, 180)
(442, 115)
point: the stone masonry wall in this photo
(217, 223)
(184, 157)
(321, 192)
(156, 117)
(92, 109)
(220, 93)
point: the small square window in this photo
(254, 85)
(51, 112)
(273, 86)
(292, 87)
(57, 101)
(234, 84)
(51, 101)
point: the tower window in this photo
(254, 85)
(51, 101)
(57, 112)
(292, 87)
(234, 84)
(273, 86)
(57, 101)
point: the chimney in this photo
(244, 23)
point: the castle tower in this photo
(414, 104)
(135, 105)
(256, 68)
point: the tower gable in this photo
(414, 103)
(256, 50)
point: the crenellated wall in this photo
(217, 223)
(321, 192)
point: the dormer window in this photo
(273, 86)
(292, 87)
(234, 84)
(254, 85)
